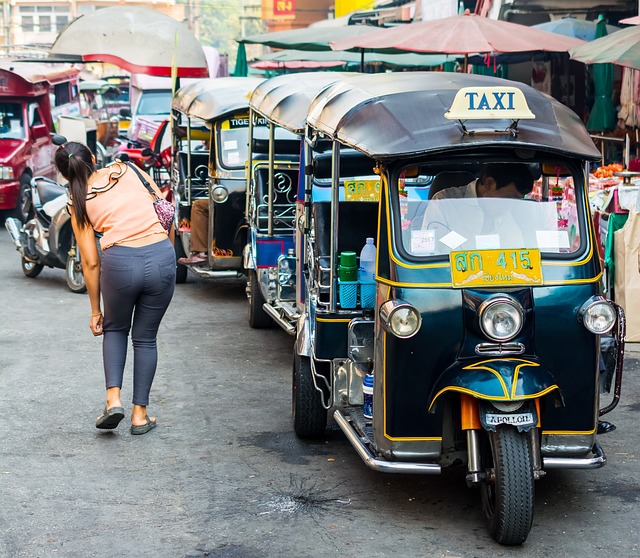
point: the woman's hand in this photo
(96, 324)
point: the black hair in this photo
(506, 173)
(75, 162)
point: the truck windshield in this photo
(11, 121)
(154, 103)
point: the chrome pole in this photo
(249, 189)
(272, 152)
(335, 206)
(189, 160)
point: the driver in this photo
(469, 218)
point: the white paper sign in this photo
(552, 240)
(453, 240)
(233, 157)
(487, 241)
(423, 242)
(231, 144)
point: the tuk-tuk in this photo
(483, 339)
(273, 185)
(210, 123)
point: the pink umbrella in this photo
(461, 34)
(631, 20)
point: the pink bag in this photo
(165, 210)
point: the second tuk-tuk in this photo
(274, 185)
(483, 340)
(210, 126)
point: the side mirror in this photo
(147, 152)
(125, 112)
(39, 131)
(58, 139)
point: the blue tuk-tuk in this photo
(274, 186)
(483, 339)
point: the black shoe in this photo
(605, 427)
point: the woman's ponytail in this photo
(75, 163)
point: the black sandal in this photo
(110, 418)
(143, 428)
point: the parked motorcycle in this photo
(47, 238)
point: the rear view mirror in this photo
(57, 139)
(147, 152)
(550, 169)
(39, 131)
(125, 113)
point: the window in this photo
(28, 25)
(61, 93)
(44, 24)
(61, 22)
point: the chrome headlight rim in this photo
(219, 194)
(589, 307)
(493, 301)
(389, 310)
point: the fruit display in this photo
(607, 171)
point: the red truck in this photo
(32, 96)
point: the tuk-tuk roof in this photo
(40, 71)
(210, 99)
(403, 114)
(285, 99)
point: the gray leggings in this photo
(137, 285)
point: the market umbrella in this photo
(139, 40)
(621, 48)
(408, 59)
(308, 38)
(572, 27)
(460, 34)
(631, 20)
(242, 68)
(603, 114)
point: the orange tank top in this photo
(120, 207)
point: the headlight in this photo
(400, 318)
(6, 173)
(507, 406)
(597, 315)
(219, 194)
(501, 318)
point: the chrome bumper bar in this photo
(382, 465)
(598, 460)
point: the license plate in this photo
(492, 268)
(516, 419)
(361, 190)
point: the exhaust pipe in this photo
(14, 226)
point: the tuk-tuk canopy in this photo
(386, 116)
(210, 99)
(285, 99)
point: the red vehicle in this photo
(31, 97)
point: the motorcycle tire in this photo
(31, 269)
(258, 318)
(309, 416)
(75, 276)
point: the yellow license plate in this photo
(496, 268)
(361, 190)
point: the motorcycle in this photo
(47, 238)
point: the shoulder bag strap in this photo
(143, 180)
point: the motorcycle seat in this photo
(49, 190)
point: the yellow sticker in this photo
(361, 190)
(496, 268)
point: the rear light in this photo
(6, 173)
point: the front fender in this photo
(497, 379)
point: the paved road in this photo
(223, 475)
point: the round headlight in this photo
(599, 317)
(507, 406)
(400, 318)
(219, 194)
(501, 318)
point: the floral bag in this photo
(164, 209)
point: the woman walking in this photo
(135, 274)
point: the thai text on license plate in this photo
(492, 268)
(516, 419)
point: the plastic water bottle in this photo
(367, 390)
(367, 270)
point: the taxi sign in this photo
(473, 103)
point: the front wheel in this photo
(75, 275)
(309, 416)
(31, 269)
(508, 492)
(258, 318)
(24, 207)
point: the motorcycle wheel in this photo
(309, 416)
(181, 270)
(75, 276)
(258, 318)
(31, 269)
(508, 492)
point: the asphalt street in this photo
(223, 474)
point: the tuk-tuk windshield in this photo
(11, 121)
(154, 103)
(492, 206)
